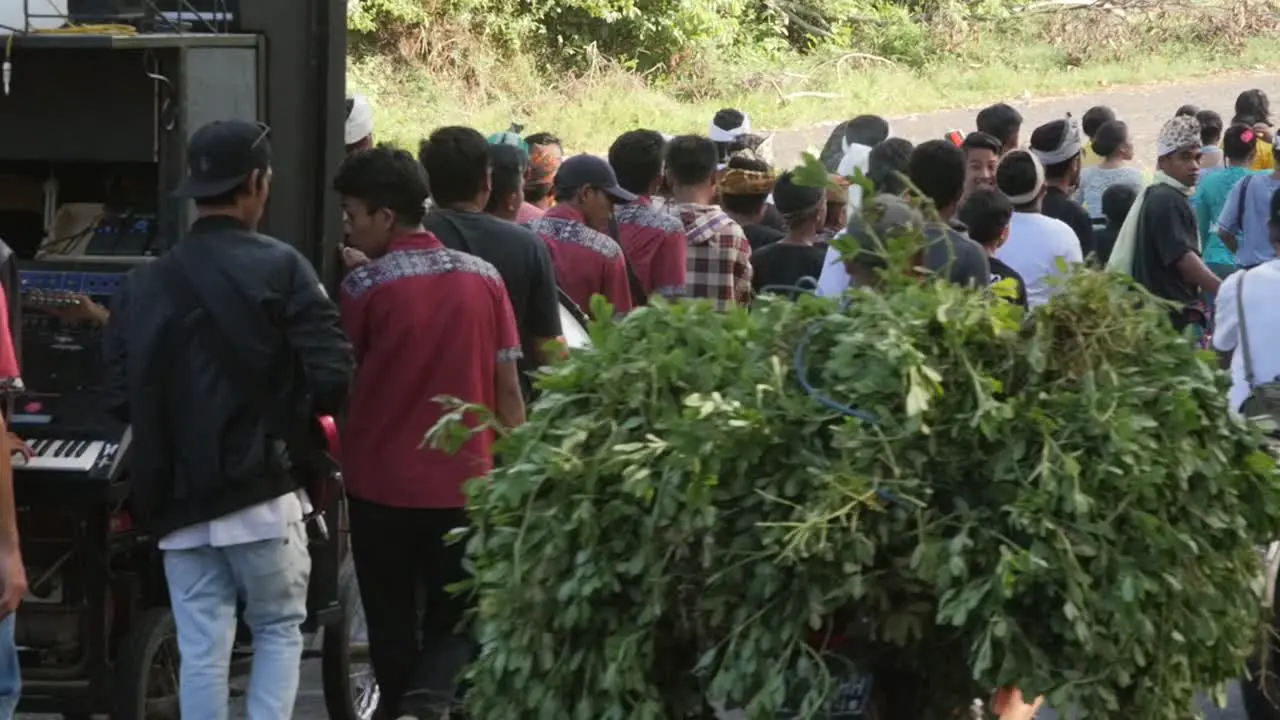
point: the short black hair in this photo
(542, 138)
(887, 163)
(1255, 105)
(692, 159)
(385, 177)
(1017, 174)
(1210, 127)
(509, 164)
(936, 167)
(727, 119)
(979, 140)
(1094, 118)
(457, 162)
(1187, 110)
(1117, 199)
(797, 203)
(986, 212)
(1001, 121)
(1234, 145)
(636, 158)
(537, 193)
(1049, 137)
(1108, 139)
(869, 130)
(745, 204)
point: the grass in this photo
(591, 109)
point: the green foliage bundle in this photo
(1061, 503)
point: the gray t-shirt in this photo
(957, 257)
(1095, 180)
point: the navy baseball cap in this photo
(589, 170)
(221, 155)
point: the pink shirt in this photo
(8, 359)
(528, 213)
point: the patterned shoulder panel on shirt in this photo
(573, 233)
(711, 224)
(645, 216)
(400, 264)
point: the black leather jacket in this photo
(200, 448)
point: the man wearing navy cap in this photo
(212, 477)
(588, 262)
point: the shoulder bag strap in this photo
(1244, 332)
(1240, 203)
(638, 296)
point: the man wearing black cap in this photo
(588, 262)
(215, 354)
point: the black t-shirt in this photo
(1000, 271)
(1166, 232)
(1060, 206)
(759, 235)
(521, 258)
(1104, 240)
(773, 218)
(782, 265)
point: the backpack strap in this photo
(1244, 332)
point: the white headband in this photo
(720, 135)
(1031, 195)
(359, 121)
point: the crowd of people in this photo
(458, 263)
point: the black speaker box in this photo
(98, 11)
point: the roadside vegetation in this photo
(590, 69)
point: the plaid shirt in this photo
(719, 255)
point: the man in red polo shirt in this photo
(654, 242)
(426, 322)
(588, 262)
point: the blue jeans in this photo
(204, 585)
(10, 673)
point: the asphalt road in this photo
(1144, 108)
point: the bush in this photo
(654, 33)
(1066, 505)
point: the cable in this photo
(802, 377)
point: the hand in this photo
(1263, 131)
(353, 258)
(84, 309)
(1009, 705)
(19, 446)
(13, 581)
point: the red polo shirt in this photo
(426, 322)
(587, 261)
(656, 245)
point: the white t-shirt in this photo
(834, 279)
(1034, 246)
(1261, 298)
(856, 157)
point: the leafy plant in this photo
(970, 497)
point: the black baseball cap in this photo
(221, 155)
(589, 170)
